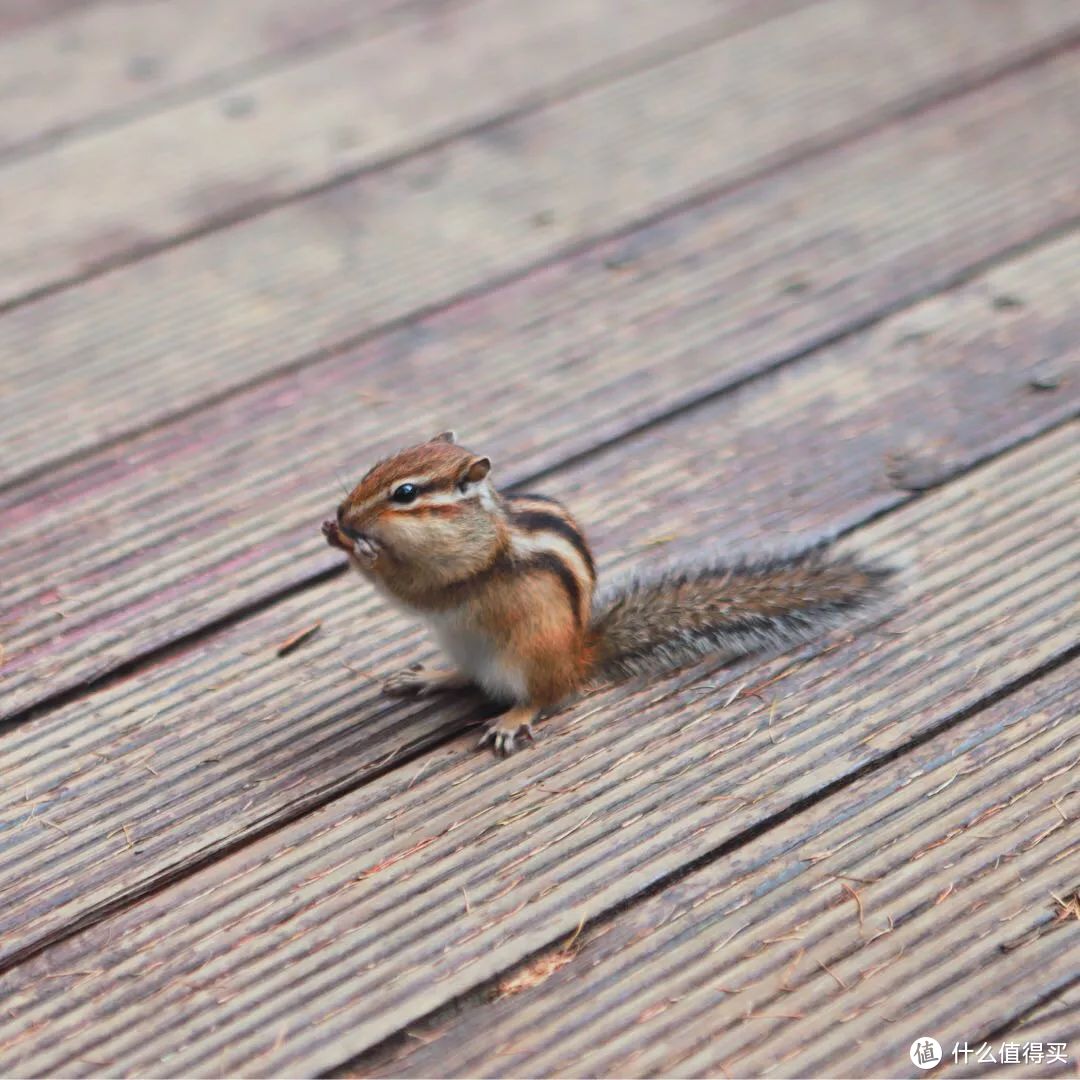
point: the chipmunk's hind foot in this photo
(509, 731)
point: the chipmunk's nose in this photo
(348, 531)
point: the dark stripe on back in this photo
(505, 563)
(534, 521)
(546, 560)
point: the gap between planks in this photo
(341, 33)
(171, 215)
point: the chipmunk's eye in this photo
(404, 493)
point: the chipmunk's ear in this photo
(445, 436)
(475, 471)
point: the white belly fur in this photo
(478, 657)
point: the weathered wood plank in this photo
(16, 15)
(147, 341)
(249, 146)
(712, 966)
(582, 352)
(326, 937)
(103, 61)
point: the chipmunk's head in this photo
(424, 518)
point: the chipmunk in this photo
(506, 583)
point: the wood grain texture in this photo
(103, 61)
(225, 154)
(788, 866)
(147, 341)
(710, 975)
(316, 942)
(209, 746)
(153, 539)
(191, 543)
(340, 929)
(17, 15)
(809, 449)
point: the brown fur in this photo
(516, 574)
(654, 624)
(425, 550)
(526, 613)
(442, 459)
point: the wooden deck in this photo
(712, 271)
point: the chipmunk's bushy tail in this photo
(654, 624)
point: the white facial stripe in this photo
(383, 497)
(416, 481)
(486, 493)
(482, 491)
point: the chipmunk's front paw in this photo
(333, 536)
(509, 732)
(412, 682)
(415, 681)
